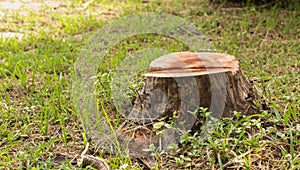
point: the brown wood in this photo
(181, 82)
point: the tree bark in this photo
(174, 88)
(183, 82)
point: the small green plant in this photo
(37, 117)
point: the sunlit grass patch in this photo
(39, 127)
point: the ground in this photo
(41, 40)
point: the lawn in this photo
(41, 129)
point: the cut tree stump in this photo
(184, 81)
(174, 88)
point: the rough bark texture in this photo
(181, 82)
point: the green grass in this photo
(37, 119)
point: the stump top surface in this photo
(185, 64)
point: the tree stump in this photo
(182, 82)
(174, 88)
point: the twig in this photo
(88, 160)
(149, 164)
(267, 4)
